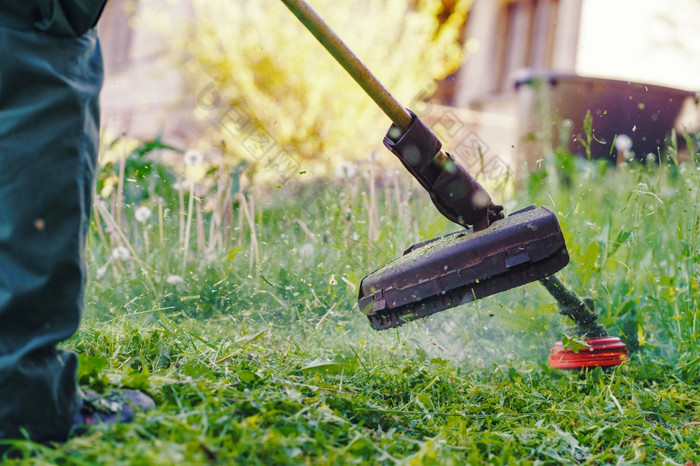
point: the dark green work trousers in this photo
(50, 78)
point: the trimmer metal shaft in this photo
(352, 64)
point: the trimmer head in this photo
(601, 352)
(460, 267)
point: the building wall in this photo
(505, 36)
(641, 40)
(143, 94)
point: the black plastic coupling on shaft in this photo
(455, 193)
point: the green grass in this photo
(273, 363)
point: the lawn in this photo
(235, 308)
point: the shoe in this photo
(118, 407)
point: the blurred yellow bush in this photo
(266, 87)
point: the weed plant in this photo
(235, 308)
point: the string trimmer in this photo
(493, 253)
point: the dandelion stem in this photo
(161, 231)
(201, 239)
(254, 255)
(120, 186)
(182, 213)
(98, 223)
(186, 243)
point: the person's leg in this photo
(49, 120)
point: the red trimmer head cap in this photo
(601, 352)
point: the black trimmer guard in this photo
(464, 266)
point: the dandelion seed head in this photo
(120, 253)
(623, 142)
(345, 170)
(174, 280)
(193, 158)
(142, 214)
